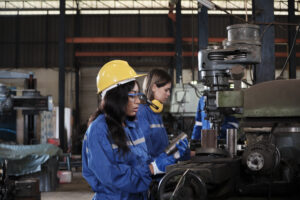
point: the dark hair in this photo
(158, 77)
(114, 108)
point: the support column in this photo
(77, 26)
(61, 83)
(264, 13)
(46, 39)
(202, 27)
(17, 45)
(291, 35)
(178, 42)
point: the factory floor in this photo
(77, 189)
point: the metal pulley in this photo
(261, 158)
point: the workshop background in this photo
(56, 47)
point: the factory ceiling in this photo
(42, 7)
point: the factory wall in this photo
(32, 41)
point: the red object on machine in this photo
(53, 141)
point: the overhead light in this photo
(207, 4)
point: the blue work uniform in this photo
(229, 122)
(111, 175)
(202, 123)
(153, 129)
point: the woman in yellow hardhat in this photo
(115, 159)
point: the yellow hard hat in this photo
(114, 73)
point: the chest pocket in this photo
(137, 153)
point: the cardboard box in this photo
(64, 176)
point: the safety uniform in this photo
(202, 123)
(153, 129)
(111, 175)
(229, 122)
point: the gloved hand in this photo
(160, 163)
(182, 147)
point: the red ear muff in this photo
(156, 106)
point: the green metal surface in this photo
(230, 98)
(279, 98)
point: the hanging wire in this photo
(291, 50)
(224, 10)
(265, 29)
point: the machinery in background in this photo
(184, 99)
(271, 130)
(219, 67)
(267, 162)
(183, 107)
(30, 102)
(17, 189)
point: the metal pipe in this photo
(231, 141)
(209, 138)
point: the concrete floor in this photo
(77, 189)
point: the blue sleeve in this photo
(112, 172)
(144, 125)
(86, 173)
(196, 134)
(200, 121)
(205, 122)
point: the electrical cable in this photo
(291, 50)
(193, 56)
(265, 29)
(8, 130)
(239, 18)
(197, 92)
(252, 72)
(248, 84)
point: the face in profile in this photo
(161, 93)
(133, 102)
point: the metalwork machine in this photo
(267, 161)
(30, 102)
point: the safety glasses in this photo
(134, 96)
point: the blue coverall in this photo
(202, 123)
(153, 129)
(112, 176)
